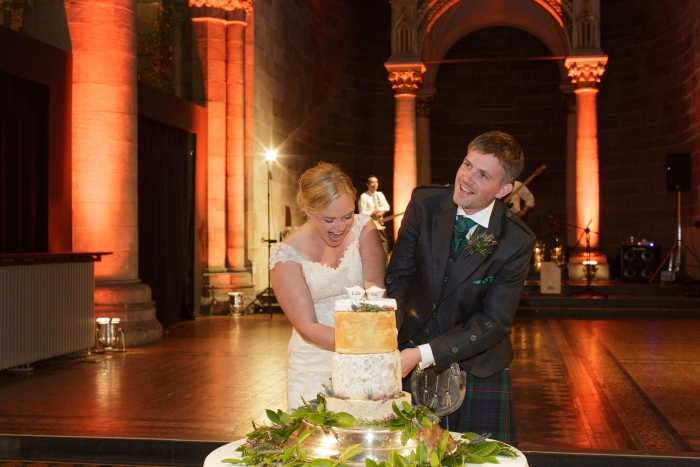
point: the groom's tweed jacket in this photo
(471, 299)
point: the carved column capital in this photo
(223, 10)
(405, 78)
(226, 5)
(585, 71)
(405, 82)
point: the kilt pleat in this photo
(488, 407)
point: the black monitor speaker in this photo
(678, 171)
(638, 263)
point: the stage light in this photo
(108, 335)
(271, 155)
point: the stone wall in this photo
(648, 107)
(321, 93)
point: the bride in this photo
(310, 269)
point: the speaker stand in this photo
(674, 264)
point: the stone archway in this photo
(571, 31)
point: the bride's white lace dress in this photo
(308, 366)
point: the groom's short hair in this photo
(504, 147)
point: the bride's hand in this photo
(409, 359)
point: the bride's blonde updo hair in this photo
(321, 185)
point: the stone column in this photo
(210, 35)
(220, 30)
(585, 73)
(235, 142)
(405, 79)
(180, 15)
(104, 139)
(423, 102)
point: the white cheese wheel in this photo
(361, 376)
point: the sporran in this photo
(442, 392)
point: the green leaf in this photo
(425, 422)
(404, 439)
(396, 410)
(301, 453)
(288, 453)
(453, 461)
(408, 408)
(344, 419)
(272, 416)
(442, 444)
(474, 459)
(396, 459)
(304, 434)
(232, 461)
(491, 459)
(350, 452)
(285, 419)
(485, 448)
(434, 459)
(370, 463)
(318, 419)
(421, 453)
(321, 462)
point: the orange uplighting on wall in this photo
(105, 136)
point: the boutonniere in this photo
(480, 243)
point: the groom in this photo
(457, 272)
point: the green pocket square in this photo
(483, 281)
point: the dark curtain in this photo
(166, 218)
(24, 165)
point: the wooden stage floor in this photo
(628, 385)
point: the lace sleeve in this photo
(282, 253)
(360, 222)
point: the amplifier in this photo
(639, 262)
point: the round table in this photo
(229, 451)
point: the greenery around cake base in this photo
(268, 445)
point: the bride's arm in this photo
(373, 257)
(294, 297)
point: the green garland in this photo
(266, 445)
(368, 307)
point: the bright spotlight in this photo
(270, 155)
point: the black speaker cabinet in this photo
(639, 262)
(678, 171)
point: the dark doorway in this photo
(166, 218)
(24, 162)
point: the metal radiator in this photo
(46, 310)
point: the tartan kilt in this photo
(488, 407)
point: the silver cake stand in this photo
(377, 442)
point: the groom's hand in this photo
(409, 359)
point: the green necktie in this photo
(462, 226)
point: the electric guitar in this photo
(388, 218)
(535, 174)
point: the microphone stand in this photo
(590, 292)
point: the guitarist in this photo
(522, 200)
(373, 203)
